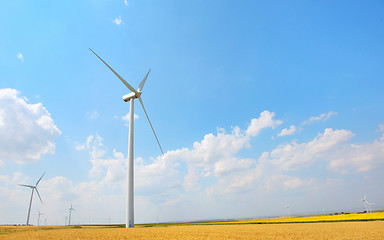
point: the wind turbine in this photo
(70, 213)
(367, 204)
(131, 97)
(38, 219)
(289, 210)
(33, 189)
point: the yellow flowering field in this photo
(323, 218)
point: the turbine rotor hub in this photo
(132, 95)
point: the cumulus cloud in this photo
(214, 156)
(217, 159)
(27, 131)
(295, 155)
(265, 120)
(126, 2)
(322, 117)
(87, 143)
(20, 56)
(287, 131)
(360, 157)
(104, 168)
(117, 21)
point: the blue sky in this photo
(256, 104)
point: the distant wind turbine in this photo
(38, 219)
(130, 97)
(70, 213)
(289, 210)
(33, 189)
(367, 204)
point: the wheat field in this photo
(335, 230)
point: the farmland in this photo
(350, 228)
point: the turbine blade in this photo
(142, 104)
(143, 82)
(38, 194)
(39, 179)
(26, 185)
(125, 82)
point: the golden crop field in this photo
(242, 230)
(338, 230)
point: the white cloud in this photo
(322, 117)
(86, 145)
(294, 156)
(266, 120)
(125, 118)
(362, 157)
(214, 156)
(20, 56)
(287, 131)
(110, 169)
(294, 182)
(126, 2)
(117, 21)
(27, 131)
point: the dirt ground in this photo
(336, 230)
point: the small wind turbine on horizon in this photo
(130, 97)
(33, 189)
(289, 210)
(38, 219)
(70, 213)
(367, 204)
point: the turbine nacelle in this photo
(132, 95)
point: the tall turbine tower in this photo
(70, 213)
(131, 97)
(33, 189)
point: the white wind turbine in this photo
(33, 189)
(38, 219)
(289, 210)
(367, 204)
(130, 97)
(70, 213)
